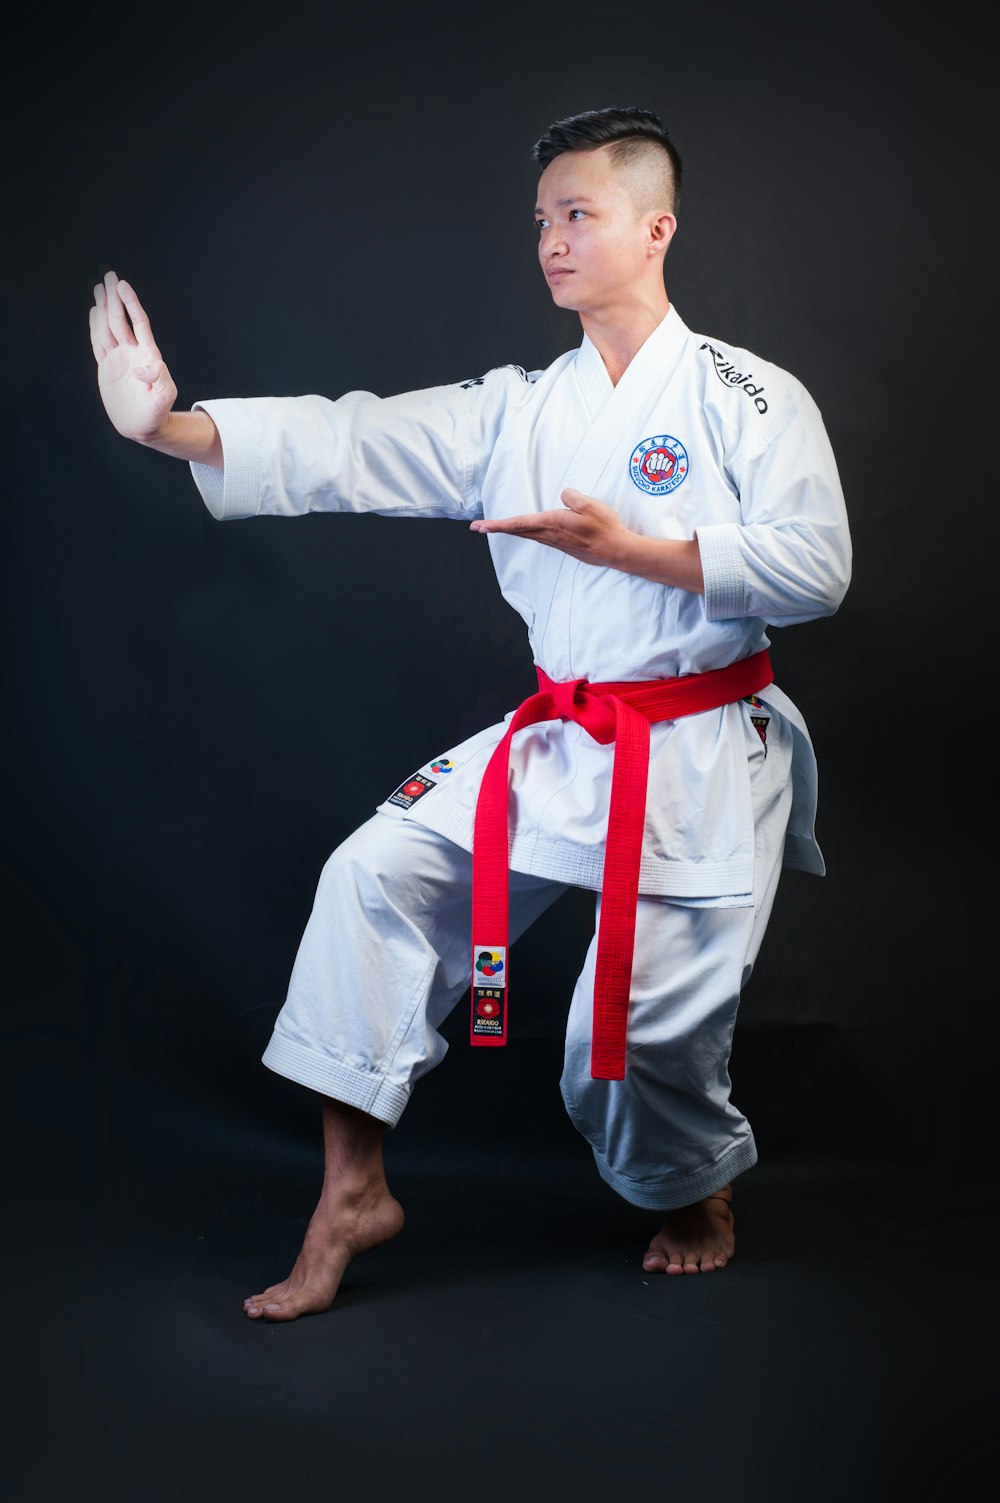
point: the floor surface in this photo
(507, 1343)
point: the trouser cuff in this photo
(364, 1089)
(680, 1189)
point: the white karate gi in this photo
(696, 439)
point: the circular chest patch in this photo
(659, 464)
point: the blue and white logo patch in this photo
(659, 464)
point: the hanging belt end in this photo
(607, 1067)
(489, 995)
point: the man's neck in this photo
(618, 336)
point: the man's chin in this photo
(564, 296)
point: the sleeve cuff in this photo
(234, 491)
(722, 567)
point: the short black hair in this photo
(615, 126)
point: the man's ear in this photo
(662, 229)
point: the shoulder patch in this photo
(478, 380)
(727, 373)
(522, 373)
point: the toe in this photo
(256, 1304)
(279, 1310)
(662, 1258)
(273, 1291)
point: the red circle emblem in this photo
(658, 465)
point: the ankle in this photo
(353, 1188)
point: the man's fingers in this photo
(578, 502)
(137, 313)
(525, 524)
(101, 338)
(117, 319)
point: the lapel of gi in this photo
(614, 411)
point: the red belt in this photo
(622, 713)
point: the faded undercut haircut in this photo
(638, 143)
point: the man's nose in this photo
(553, 243)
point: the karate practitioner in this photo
(652, 501)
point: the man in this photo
(652, 501)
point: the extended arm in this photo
(136, 387)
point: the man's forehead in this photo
(565, 202)
(576, 177)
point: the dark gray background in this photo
(311, 200)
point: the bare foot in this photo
(340, 1229)
(355, 1213)
(695, 1239)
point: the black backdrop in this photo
(310, 200)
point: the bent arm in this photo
(593, 532)
(789, 558)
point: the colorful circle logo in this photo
(658, 464)
(488, 963)
(443, 764)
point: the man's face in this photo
(592, 244)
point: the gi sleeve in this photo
(418, 454)
(788, 559)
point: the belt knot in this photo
(566, 696)
(576, 699)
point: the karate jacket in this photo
(697, 439)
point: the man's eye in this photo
(576, 211)
(540, 224)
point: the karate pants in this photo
(386, 956)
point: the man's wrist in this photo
(191, 436)
(669, 561)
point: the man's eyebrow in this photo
(564, 203)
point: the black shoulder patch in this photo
(730, 376)
(478, 380)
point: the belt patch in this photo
(489, 994)
(760, 716)
(487, 1011)
(414, 788)
(490, 965)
